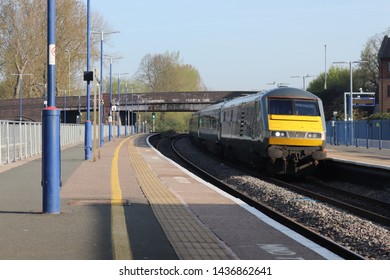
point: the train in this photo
(279, 131)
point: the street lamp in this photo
(326, 72)
(350, 88)
(38, 85)
(146, 116)
(119, 98)
(68, 52)
(88, 125)
(64, 91)
(303, 80)
(110, 117)
(101, 83)
(132, 122)
(139, 115)
(274, 83)
(51, 152)
(350, 98)
(127, 112)
(21, 94)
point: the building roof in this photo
(384, 51)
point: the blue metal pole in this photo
(21, 99)
(126, 114)
(139, 119)
(101, 93)
(65, 106)
(119, 98)
(380, 134)
(88, 124)
(367, 131)
(110, 123)
(132, 114)
(51, 154)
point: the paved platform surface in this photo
(359, 155)
(132, 203)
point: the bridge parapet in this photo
(157, 102)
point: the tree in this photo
(333, 96)
(23, 44)
(165, 72)
(337, 78)
(365, 76)
(368, 73)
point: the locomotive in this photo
(280, 131)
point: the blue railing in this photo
(361, 133)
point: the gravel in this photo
(366, 238)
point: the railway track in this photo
(366, 207)
(269, 211)
(361, 205)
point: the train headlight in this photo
(313, 135)
(279, 134)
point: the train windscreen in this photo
(293, 107)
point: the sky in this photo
(243, 44)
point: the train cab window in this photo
(306, 108)
(293, 107)
(280, 107)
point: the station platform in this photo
(369, 157)
(133, 203)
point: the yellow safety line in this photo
(120, 237)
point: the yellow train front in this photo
(294, 131)
(281, 131)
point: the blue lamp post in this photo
(119, 98)
(126, 115)
(132, 113)
(110, 123)
(51, 154)
(101, 84)
(88, 124)
(110, 117)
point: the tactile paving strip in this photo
(190, 239)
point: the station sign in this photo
(362, 98)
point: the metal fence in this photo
(361, 133)
(21, 140)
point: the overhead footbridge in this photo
(73, 107)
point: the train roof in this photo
(281, 92)
(242, 99)
(213, 107)
(276, 92)
(290, 92)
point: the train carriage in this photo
(281, 130)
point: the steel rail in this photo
(346, 206)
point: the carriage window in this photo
(293, 107)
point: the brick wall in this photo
(384, 86)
